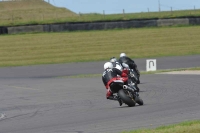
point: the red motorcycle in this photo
(126, 93)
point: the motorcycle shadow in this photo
(142, 91)
(126, 106)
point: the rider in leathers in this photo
(119, 66)
(124, 59)
(124, 68)
(109, 75)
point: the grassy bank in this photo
(21, 12)
(185, 127)
(48, 48)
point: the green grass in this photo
(66, 47)
(40, 12)
(184, 127)
(31, 12)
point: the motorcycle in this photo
(134, 76)
(133, 79)
(127, 94)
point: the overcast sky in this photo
(117, 6)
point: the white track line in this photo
(187, 72)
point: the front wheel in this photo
(125, 98)
(138, 81)
(139, 100)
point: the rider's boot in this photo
(117, 98)
(137, 88)
(111, 98)
(138, 73)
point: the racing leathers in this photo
(120, 67)
(124, 61)
(109, 75)
(130, 63)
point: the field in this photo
(39, 12)
(50, 48)
(31, 12)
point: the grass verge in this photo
(184, 127)
(54, 48)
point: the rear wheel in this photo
(125, 98)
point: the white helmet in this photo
(122, 54)
(113, 59)
(108, 65)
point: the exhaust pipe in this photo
(128, 88)
(125, 87)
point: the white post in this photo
(151, 65)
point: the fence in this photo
(99, 25)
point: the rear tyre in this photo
(126, 99)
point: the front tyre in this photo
(139, 100)
(138, 82)
(126, 99)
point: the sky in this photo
(129, 6)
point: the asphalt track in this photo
(35, 99)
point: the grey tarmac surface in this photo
(48, 71)
(34, 100)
